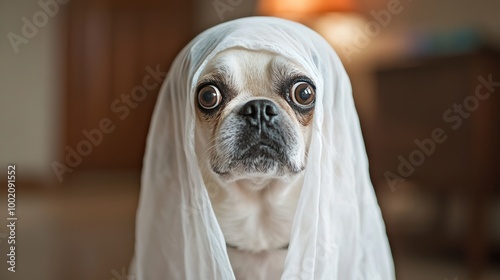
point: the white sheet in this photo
(338, 232)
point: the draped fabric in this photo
(337, 233)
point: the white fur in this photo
(254, 211)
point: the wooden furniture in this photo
(111, 46)
(448, 93)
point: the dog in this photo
(254, 112)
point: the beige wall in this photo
(29, 92)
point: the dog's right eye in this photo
(209, 97)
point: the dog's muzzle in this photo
(258, 138)
(261, 135)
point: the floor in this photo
(85, 230)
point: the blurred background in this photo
(79, 79)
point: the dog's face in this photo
(254, 116)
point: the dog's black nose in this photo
(259, 111)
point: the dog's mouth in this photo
(261, 153)
(263, 156)
(260, 149)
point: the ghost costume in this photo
(337, 233)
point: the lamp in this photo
(337, 21)
(296, 9)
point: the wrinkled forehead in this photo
(294, 46)
(233, 64)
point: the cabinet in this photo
(438, 125)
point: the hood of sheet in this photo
(338, 231)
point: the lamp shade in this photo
(298, 8)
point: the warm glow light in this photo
(294, 8)
(339, 27)
(336, 20)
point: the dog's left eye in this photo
(209, 97)
(302, 94)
